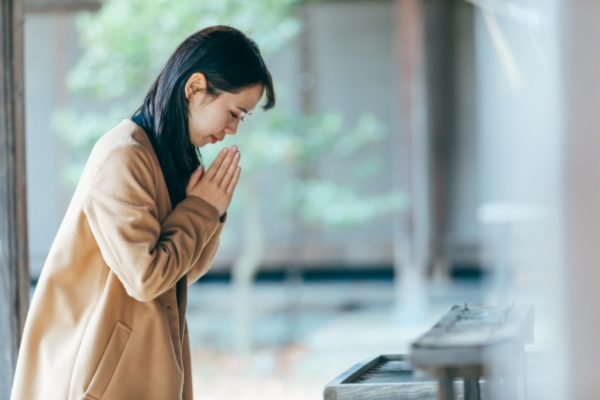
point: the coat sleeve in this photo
(207, 256)
(147, 256)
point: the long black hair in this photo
(230, 62)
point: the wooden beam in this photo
(41, 7)
(14, 269)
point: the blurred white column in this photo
(581, 185)
(520, 164)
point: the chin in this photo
(198, 143)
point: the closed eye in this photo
(235, 116)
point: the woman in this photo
(107, 320)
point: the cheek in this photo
(209, 122)
(194, 123)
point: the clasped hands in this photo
(217, 184)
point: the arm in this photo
(147, 256)
(207, 256)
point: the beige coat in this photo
(107, 320)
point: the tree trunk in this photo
(245, 269)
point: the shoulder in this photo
(126, 142)
(124, 150)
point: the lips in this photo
(215, 139)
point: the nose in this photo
(231, 129)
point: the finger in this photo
(223, 168)
(214, 167)
(232, 167)
(194, 178)
(225, 165)
(234, 180)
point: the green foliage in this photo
(298, 142)
(296, 139)
(329, 203)
(127, 43)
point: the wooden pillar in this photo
(14, 269)
(450, 69)
(435, 150)
(441, 99)
(411, 163)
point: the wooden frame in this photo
(14, 268)
(469, 343)
(347, 385)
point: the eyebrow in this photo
(244, 110)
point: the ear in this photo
(196, 84)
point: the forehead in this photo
(247, 99)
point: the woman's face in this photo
(211, 118)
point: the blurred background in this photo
(413, 162)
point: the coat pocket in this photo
(108, 362)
